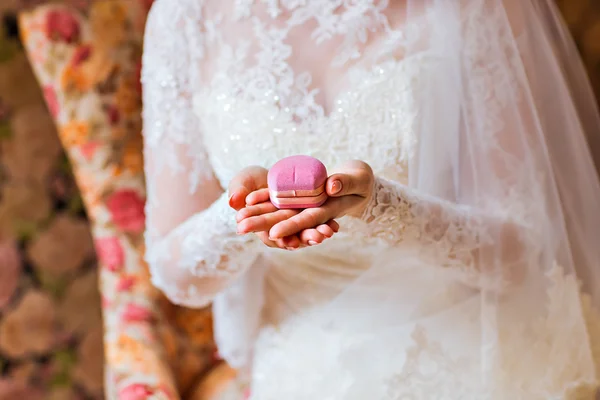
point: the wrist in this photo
(364, 209)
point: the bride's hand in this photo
(349, 188)
(251, 184)
(260, 215)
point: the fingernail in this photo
(312, 243)
(291, 248)
(336, 187)
(230, 200)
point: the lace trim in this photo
(212, 247)
(257, 66)
(448, 234)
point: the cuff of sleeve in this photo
(213, 247)
(379, 189)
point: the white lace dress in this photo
(228, 84)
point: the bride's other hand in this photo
(349, 188)
(260, 215)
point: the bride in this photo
(458, 259)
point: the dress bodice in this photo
(372, 121)
(344, 92)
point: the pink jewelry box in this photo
(297, 182)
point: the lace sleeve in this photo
(444, 233)
(191, 243)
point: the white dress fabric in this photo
(233, 83)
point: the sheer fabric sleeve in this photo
(446, 233)
(492, 224)
(191, 243)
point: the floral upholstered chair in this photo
(87, 60)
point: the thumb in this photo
(355, 178)
(244, 183)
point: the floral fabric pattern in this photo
(87, 61)
(50, 316)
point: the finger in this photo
(254, 211)
(281, 243)
(290, 242)
(354, 178)
(251, 178)
(285, 243)
(236, 198)
(265, 222)
(307, 219)
(264, 237)
(334, 225)
(325, 230)
(258, 196)
(313, 217)
(312, 237)
(248, 180)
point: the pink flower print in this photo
(105, 302)
(110, 253)
(51, 100)
(136, 313)
(126, 283)
(88, 149)
(135, 391)
(127, 210)
(61, 25)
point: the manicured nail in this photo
(231, 200)
(312, 243)
(291, 248)
(336, 187)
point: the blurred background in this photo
(50, 319)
